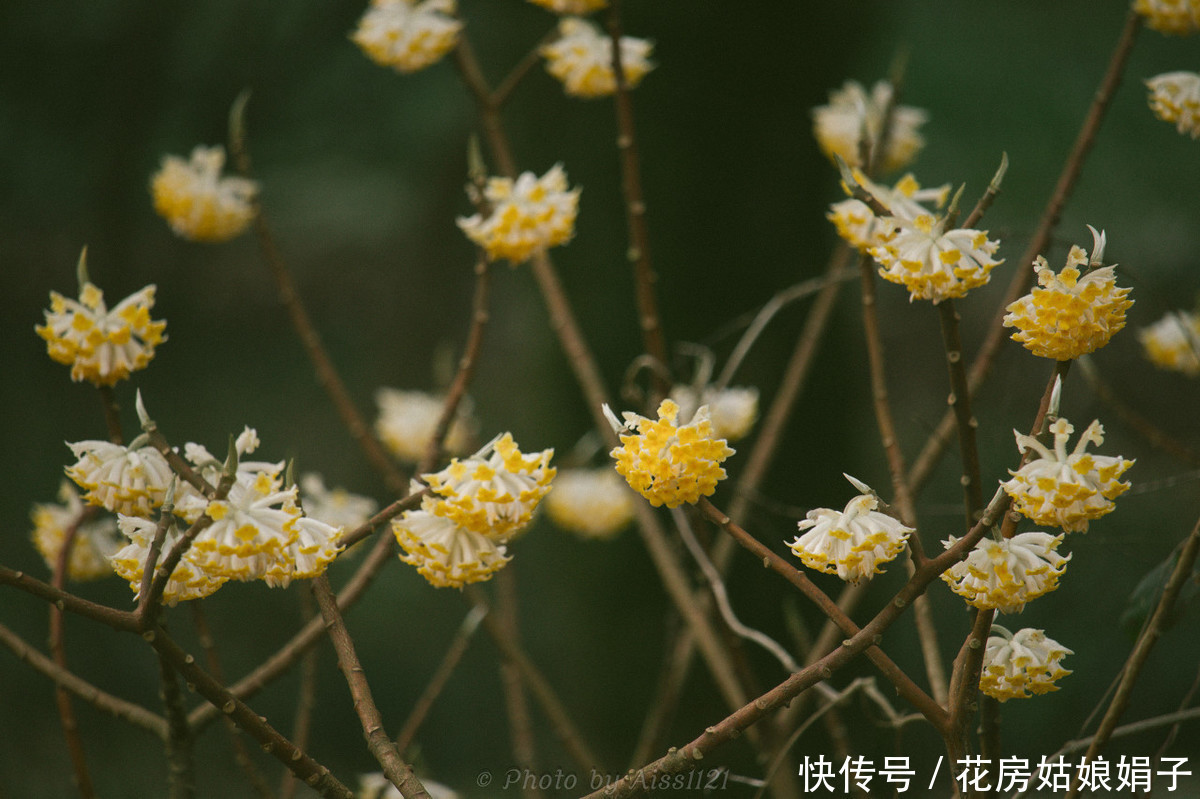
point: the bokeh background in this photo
(363, 169)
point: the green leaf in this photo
(1144, 598)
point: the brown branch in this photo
(315, 775)
(1155, 435)
(58, 650)
(213, 659)
(181, 774)
(560, 721)
(368, 527)
(308, 635)
(437, 682)
(516, 702)
(112, 414)
(934, 447)
(902, 682)
(686, 756)
(1145, 644)
(587, 374)
(397, 771)
(960, 403)
(964, 684)
(989, 195)
(505, 88)
(305, 702)
(122, 709)
(649, 320)
(903, 496)
(466, 363)
(122, 620)
(327, 374)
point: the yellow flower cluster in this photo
(930, 262)
(732, 410)
(1062, 489)
(1173, 342)
(474, 508)
(594, 503)
(189, 580)
(1005, 574)
(1025, 663)
(1178, 17)
(667, 463)
(857, 223)
(257, 532)
(1067, 315)
(123, 479)
(528, 215)
(581, 57)
(337, 507)
(446, 555)
(197, 202)
(852, 115)
(571, 6)
(95, 541)
(853, 543)
(1175, 97)
(496, 495)
(102, 346)
(407, 420)
(408, 35)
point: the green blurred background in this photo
(362, 172)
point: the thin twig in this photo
(560, 721)
(306, 699)
(717, 585)
(315, 775)
(505, 88)
(1145, 643)
(649, 319)
(902, 495)
(58, 650)
(213, 659)
(516, 702)
(122, 620)
(327, 374)
(397, 771)
(587, 374)
(895, 675)
(1125, 730)
(120, 708)
(181, 774)
(466, 362)
(926, 461)
(802, 290)
(679, 758)
(960, 402)
(1129, 415)
(450, 661)
(989, 195)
